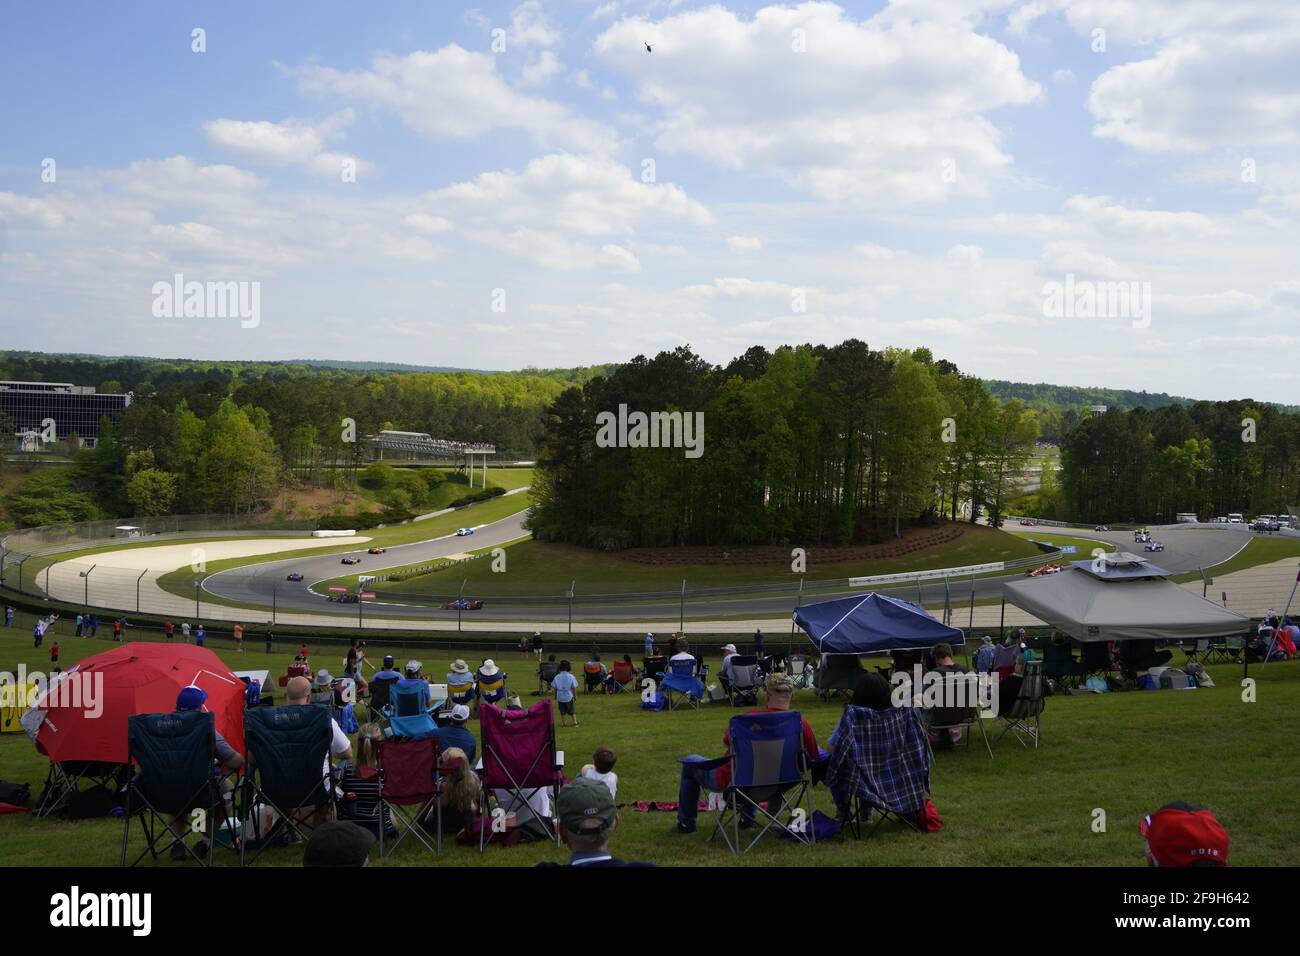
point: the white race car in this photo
(461, 532)
(1154, 546)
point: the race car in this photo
(344, 598)
(1102, 527)
(1154, 546)
(1139, 532)
(1045, 569)
(461, 532)
(463, 604)
(294, 576)
(377, 550)
(1028, 521)
(350, 560)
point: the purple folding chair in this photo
(520, 757)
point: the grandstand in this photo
(391, 445)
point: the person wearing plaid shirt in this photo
(879, 752)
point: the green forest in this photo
(807, 445)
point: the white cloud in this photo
(456, 93)
(870, 112)
(744, 243)
(284, 143)
(966, 255)
(540, 70)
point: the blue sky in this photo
(910, 173)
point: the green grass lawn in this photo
(1124, 753)
(538, 567)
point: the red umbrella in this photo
(85, 712)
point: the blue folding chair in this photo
(407, 716)
(680, 683)
(770, 777)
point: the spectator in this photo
(758, 643)
(361, 784)
(538, 645)
(602, 768)
(724, 670)
(297, 693)
(302, 652)
(672, 645)
(94, 625)
(9, 616)
(456, 735)
(649, 644)
(338, 843)
(780, 693)
(185, 631)
(199, 635)
(169, 629)
(565, 685)
(117, 629)
(388, 673)
(683, 652)
(38, 632)
(412, 677)
(461, 788)
(239, 638)
(1184, 834)
(270, 640)
(984, 656)
(588, 819)
(872, 690)
(1006, 656)
(81, 623)
(54, 653)
(193, 698)
(944, 664)
(525, 646)
(597, 675)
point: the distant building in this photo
(46, 413)
(1098, 411)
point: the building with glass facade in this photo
(45, 413)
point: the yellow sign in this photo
(12, 704)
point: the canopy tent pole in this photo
(1002, 620)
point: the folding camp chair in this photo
(463, 692)
(491, 689)
(838, 674)
(680, 684)
(407, 716)
(654, 666)
(1096, 659)
(624, 673)
(961, 710)
(742, 688)
(593, 676)
(67, 779)
(381, 690)
(409, 778)
(174, 753)
(1200, 650)
(288, 753)
(1060, 665)
(879, 763)
(769, 778)
(519, 756)
(801, 671)
(1027, 708)
(546, 672)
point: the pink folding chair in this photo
(520, 757)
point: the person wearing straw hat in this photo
(460, 682)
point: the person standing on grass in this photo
(199, 635)
(9, 616)
(538, 645)
(38, 632)
(169, 630)
(270, 638)
(54, 653)
(239, 638)
(565, 684)
(649, 644)
(81, 623)
(185, 631)
(758, 643)
(94, 625)
(117, 629)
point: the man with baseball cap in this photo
(192, 698)
(1183, 834)
(588, 819)
(455, 734)
(780, 694)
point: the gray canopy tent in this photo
(1122, 598)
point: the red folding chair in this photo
(409, 778)
(520, 757)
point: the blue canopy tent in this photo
(870, 623)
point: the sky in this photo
(1083, 192)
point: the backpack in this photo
(657, 703)
(928, 819)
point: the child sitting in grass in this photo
(602, 768)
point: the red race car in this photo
(1045, 569)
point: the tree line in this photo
(806, 445)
